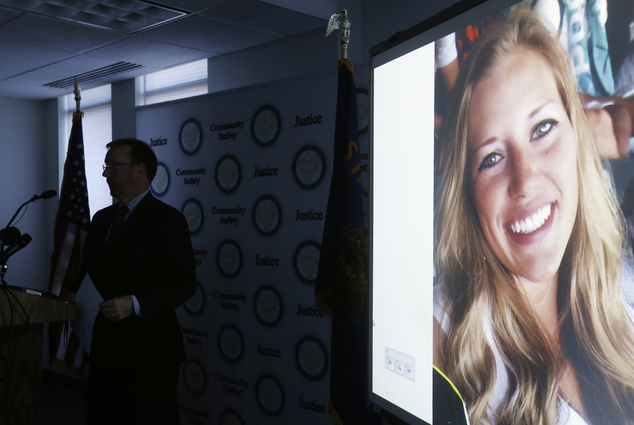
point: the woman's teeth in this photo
(533, 222)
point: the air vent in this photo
(95, 74)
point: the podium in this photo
(21, 354)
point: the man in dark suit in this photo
(139, 256)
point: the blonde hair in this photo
(595, 331)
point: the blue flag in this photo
(342, 284)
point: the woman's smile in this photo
(532, 222)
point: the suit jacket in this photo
(152, 258)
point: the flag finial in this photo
(343, 25)
(77, 92)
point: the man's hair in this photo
(140, 153)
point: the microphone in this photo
(45, 195)
(24, 241)
(9, 236)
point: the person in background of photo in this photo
(529, 321)
(581, 27)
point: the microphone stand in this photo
(33, 199)
(3, 267)
(44, 195)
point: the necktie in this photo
(117, 222)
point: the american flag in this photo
(71, 224)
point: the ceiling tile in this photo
(8, 70)
(193, 5)
(127, 16)
(7, 15)
(54, 33)
(255, 14)
(28, 57)
(148, 53)
(211, 35)
(318, 8)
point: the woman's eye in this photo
(543, 128)
(490, 160)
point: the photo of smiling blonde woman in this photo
(529, 320)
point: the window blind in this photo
(173, 83)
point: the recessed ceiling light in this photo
(128, 16)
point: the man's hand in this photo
(611, 129)
(118, 308)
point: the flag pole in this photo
(77, 92)
(344, 30)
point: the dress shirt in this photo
(131, 206)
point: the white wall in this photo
(24, 167)
(123, 98)
(303, 54)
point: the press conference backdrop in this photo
(250, 170)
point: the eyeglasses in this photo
(113, 165)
